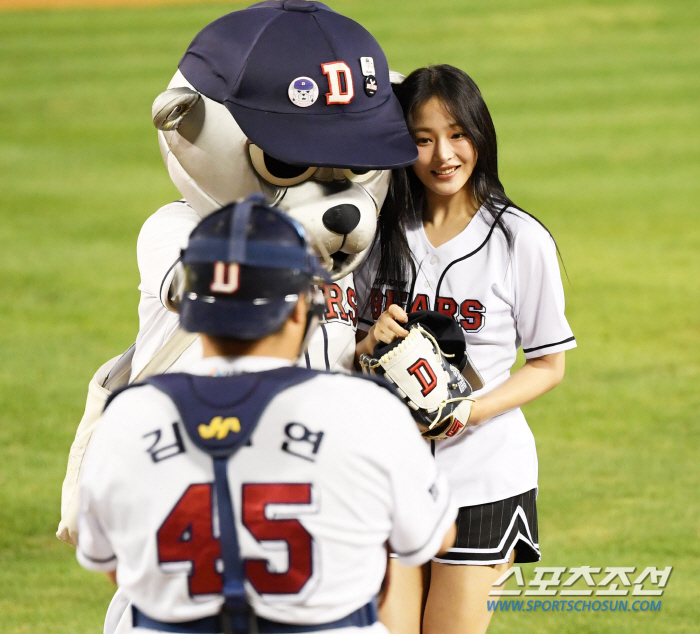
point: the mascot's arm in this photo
(158, 247)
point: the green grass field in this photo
(597, 106)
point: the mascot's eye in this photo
(358, 175)
(276, 172)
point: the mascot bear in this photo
(292, 100)
(286, 98)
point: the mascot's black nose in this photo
(341, 218)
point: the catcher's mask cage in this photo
(245, 268)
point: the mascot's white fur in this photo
(246, 113)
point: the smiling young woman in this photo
(451, 240)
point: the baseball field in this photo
(597, 107)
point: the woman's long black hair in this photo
(404, 204)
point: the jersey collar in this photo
(226, 366)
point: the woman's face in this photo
(446, 158)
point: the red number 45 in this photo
(187, 535)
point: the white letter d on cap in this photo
(226, 278)
(336, 94)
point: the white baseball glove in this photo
(430, 385)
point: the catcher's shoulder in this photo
(129, 410)
(357, 386)
(134, 396)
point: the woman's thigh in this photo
(457, 598)
(402, 609)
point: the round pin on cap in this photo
(303, 92)
(371, 86)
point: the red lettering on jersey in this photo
(426, 377)
(299, 542)
(187, 535)
(376, 300)
(473, 312)
(334, 303)
(392, 297)
(340, 88)
(446, 306)
(419, 303)
(352, 306)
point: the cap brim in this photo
(373, 139)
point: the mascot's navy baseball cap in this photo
(307, 85)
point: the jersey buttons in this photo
(434, 259)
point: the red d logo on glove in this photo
(424, 373)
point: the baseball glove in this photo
(427, 377)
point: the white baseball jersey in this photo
(160, 240)
(502, 300)
(347, 444)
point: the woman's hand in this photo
(386, 329)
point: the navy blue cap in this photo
(275, 266)
(270, 248)
(291, 72)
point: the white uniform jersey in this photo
(160, 240)
(347, 444)
(503, 300)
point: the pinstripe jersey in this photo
(503, 300)
(332, 346)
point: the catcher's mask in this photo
(245, 268)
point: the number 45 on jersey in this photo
(187, 537)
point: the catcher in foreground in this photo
(429, 368)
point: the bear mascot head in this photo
(293, 100)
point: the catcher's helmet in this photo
(245, 268)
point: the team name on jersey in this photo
(340, 306)
(470, 314)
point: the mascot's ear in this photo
(171, 107)
(396, 77)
